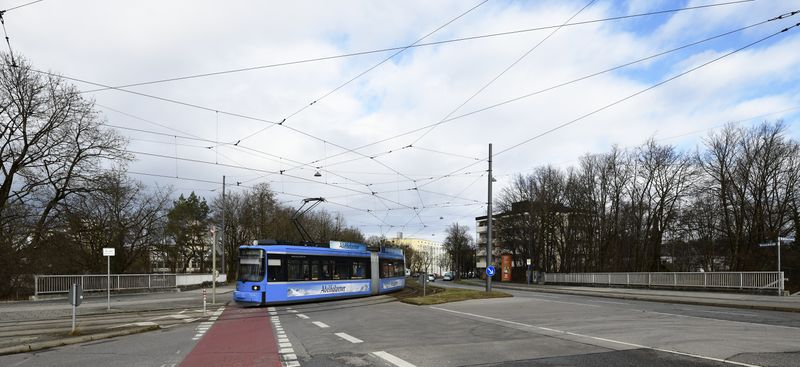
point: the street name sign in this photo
(109, 251)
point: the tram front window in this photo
(251, 265)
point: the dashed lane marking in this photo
(288, 356)
(392, 359)
(304, 317)
(320, 324)
(201, 328)
(349, 338)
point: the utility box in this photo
(75, 295)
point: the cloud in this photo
(120, 43)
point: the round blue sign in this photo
(490, 271)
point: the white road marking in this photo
(143, 323)
(320, 324)
(734, 321)
(304, 317)
(286, 350)
(205, 325)
(283, 340)
(284, 345)
(292, 311)
(291, 364)
(598, 338)
(349, 338)
(614, 303)
(725, 312)
(289, 357)
(270, 308)
(392, 359)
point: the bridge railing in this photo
(752, 280)
(52, 284)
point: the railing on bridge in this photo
(752, 280)
(50, 284)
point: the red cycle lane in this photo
(240, 337)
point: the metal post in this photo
(35, 285)
(489, 225)
(108, 284)
(214, 258)
(222, 240)
(74, 292)
(780, 281)
(204, 301)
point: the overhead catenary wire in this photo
(417, 45)
(612, 104)
(498, 76)
(359, 75)
(20, 6)
(547, 89)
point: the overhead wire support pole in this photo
(489, 225)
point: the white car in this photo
(448, 276)
(431, 278)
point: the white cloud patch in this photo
(116, 43)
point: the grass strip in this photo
(438, 295)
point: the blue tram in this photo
(270, 272)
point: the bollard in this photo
(204, 301)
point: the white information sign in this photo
(108, 251)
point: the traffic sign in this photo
(528, 261)
(109, 251)
(768, 244)
(490, 271)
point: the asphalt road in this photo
(165, 347)
(530, 329)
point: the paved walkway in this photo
(721, 299)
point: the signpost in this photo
(108, 252)
(778, 243)
(530, 273)
(75, 299)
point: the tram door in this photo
(375, 269)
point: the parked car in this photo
(448, 276)
(431, 278)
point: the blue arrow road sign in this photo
(490, 271)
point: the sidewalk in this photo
(33, 325)
(720, 299)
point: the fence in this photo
(52, 284)
(728, 280)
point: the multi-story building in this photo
(436, 258)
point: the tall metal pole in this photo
(489, 225)
(780, 281)
(222, 241)
(214, 257)
(108, 284)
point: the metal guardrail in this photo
(728, 280)
(51, 284)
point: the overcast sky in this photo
(361, 101)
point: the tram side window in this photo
(326, 265)
(295, 269)
(392, 268)
(276, 271)
(314, 269)
(359, 269)
(342, 269)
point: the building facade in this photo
(435, 258)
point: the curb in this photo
(25, 348)
(651, 299)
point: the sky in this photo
(313, 100)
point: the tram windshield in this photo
(251, 265)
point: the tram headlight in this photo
(255, 287)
